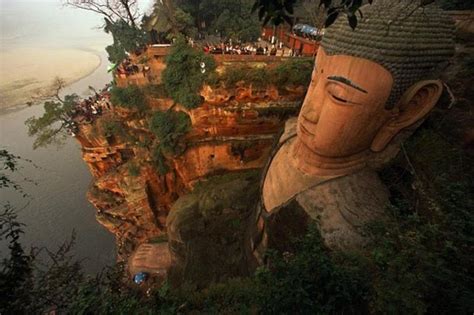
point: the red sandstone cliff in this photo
(232, 130)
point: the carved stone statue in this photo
(371, 87)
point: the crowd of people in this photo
(127, 67)
(262, 48)
(87, 110)
(228, 48)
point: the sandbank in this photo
(27, 73)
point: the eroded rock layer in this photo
(233, 130)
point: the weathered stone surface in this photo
(232, 130)
(206, 229)
(152, 258)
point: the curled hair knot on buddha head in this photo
(411, 41)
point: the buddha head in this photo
(372, 82)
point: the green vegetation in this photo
(418, 262)
(133, 169)
(131, 97)
(290, 73)
(50, 128)
(293, 72)
(126, 37)
(112, 128)
(228, 18)
(183, 77)
(122, 19)
(168, 20)
(232, 19)
(159, 160)
(155, 91)
(456, 4)
(169, 127)
(278, 111)
(259, 77)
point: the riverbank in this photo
(59, 182)
(26, 74)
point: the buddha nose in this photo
(311, 112)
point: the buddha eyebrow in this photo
(347, 82)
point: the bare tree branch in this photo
(114, 10)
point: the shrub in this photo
(169, 126)
(293, 72)
(133, 169)
(131, 97)
(112, 128)
(258, 77)
(182, 77)
(159, 160)
(156, 91)
(422, 255)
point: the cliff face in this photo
(233, 130)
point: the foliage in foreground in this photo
(418, 262)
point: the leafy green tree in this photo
(456, 4)
(131, 97)
(126, 39)
(169, 127)
(122, 21)
(50, 128)
(281, 11)
(167, 18)
(9, 163)
(184, 74)
(16, 269)
(232, 19)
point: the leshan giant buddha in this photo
(371, 87)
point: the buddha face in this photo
(344, 107)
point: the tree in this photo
(51, 126)
(280, 11)
(114, 10)
(310, 12)
(233, 19)
(456, 4)
(122, 19)
(126, 39)
(167, 18)
(131, 97)
(184, 74)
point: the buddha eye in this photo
(338, 94)
(339, 99)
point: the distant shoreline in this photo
(25, 89)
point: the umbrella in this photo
(140, 277)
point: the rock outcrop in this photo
(233, 130)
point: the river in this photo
(56, 179)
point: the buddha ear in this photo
(414, 105)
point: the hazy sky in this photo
(47, 24)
